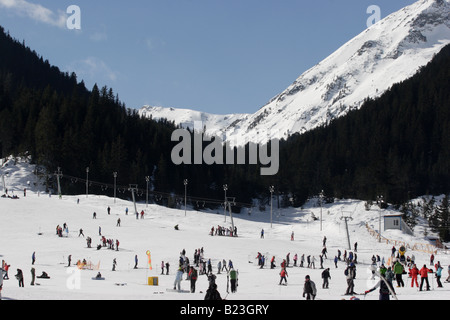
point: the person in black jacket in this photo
(384, 289)
(212, 293)
(309, 289)
(325, 277)
(19, 276)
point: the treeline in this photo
(51, 116)
(396, 146)
(437, 213)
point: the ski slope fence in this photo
(421, 247)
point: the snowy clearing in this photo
(28, 225)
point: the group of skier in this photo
(201, 266)
(223, 231)
(396, 268)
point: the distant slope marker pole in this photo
(229, 202)
(59, 175)
(346, 218)
(186, 181)
(133, 188)
(87, 181)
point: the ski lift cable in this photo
(141, 191)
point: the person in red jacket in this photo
(424, 277)
(193, 277)
(414, 272)
(283, 275)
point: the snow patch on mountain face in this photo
(388, 52)
(212, 124)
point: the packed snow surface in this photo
(28, 225)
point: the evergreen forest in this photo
(397, 146)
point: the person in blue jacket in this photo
(438, 276)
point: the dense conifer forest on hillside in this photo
(396, 146)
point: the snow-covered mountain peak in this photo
(388, 52)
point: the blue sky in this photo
(209, 55)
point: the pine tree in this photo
(440, 221)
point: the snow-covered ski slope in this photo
(29, 225)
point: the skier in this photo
(384, 289)
(309, 289)
(398, 270)
(272, 262)
(19, 277)
(81, 233)
(438, 276)
(325, 277)
(118, 223)
(262, 233)
(324, 252)
(33, 276)
(219, 266)
(69, 259)
(414, 272)
(390, 276)
(5, 269)
(424, 277)
(167, 268)
(212, 293)
(209, 267)
(33, 258)
(350, 257)
(193, 277)
(283, 275)
(233, 280)
(178, 278)
(135, 261)
(2, 274)
(114, 264)
(313, 260)
(350, 274)
(224, 265)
